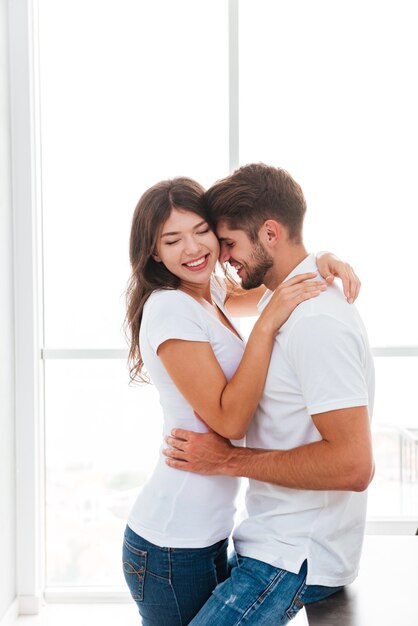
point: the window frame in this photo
(28, 330)
(30, 350)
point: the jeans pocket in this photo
(134, 568)
(294, 608)
(297, 603)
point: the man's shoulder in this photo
(325, 317)
(331, 302)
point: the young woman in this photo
(175, 544)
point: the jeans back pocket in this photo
(134, 567)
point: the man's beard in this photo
(260, 262)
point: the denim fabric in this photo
(170, 585)
(260, 594)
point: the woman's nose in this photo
(192, 246)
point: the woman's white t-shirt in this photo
(176, 508)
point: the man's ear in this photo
(271, 233)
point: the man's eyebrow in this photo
(178, 232)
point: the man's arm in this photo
(341, 460)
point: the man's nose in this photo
(224, 255)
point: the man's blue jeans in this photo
(170, 585)
(260, 594)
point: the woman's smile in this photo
(197, 264)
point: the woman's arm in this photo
(227, 407)
(243, 303)
(330, 266)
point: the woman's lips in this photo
(197, 264)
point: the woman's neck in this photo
(199, 292)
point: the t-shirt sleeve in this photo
(328, 358)
(172, 317)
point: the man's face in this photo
(250, 260)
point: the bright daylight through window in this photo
(127, 100)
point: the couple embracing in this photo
(300, 391)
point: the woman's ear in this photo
(156, 257)
(271, 232)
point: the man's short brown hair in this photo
(255, 193)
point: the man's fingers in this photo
(173, 453)
(180, 433)
(181, 465)
(175, 443)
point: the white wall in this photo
(7, 419)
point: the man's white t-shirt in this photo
(321, 361)
(176, 508)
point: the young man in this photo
(309, 457)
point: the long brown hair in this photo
(147, 275)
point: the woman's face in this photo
(187, 247)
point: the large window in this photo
(326, 91)
(132, 92)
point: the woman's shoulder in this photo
(169, 302)
(163, 295)
(172, 314)
(163, 298)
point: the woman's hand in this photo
(286, 298)
(330, 266)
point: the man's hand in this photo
(202, 453)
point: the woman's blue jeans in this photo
(170, 585)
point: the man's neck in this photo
(285, 261)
